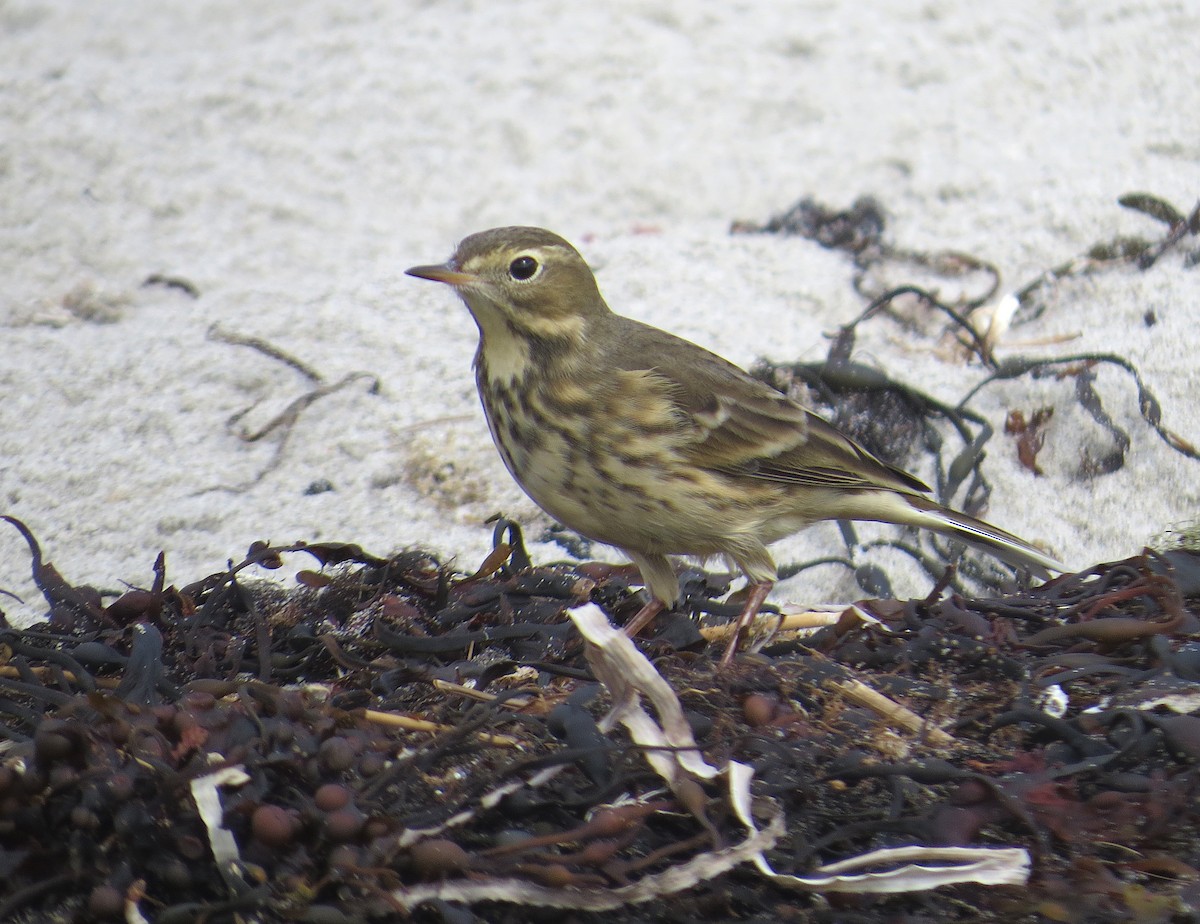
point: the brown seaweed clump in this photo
(230, 750)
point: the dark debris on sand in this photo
(239, 749)
(394, 723)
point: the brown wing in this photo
(742, 427)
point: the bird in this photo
(650, 443)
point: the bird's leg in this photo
(758, 593)
(644, 617)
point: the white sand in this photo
(292, 159)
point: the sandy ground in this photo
(290, 160)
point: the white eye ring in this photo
(524, 268)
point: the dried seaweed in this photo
(396, 727)
(894, 420)
(283, 423)
(387, 732)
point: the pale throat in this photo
(509, 356)
(503, 354)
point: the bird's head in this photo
(524, 283)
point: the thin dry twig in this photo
(285, 421)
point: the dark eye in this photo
(522, 268)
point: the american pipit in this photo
(650, 443)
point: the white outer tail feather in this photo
(1005, 546)
(914, 510)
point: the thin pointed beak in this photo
(443, 273)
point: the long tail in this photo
(914, 510)
(1005, 546)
